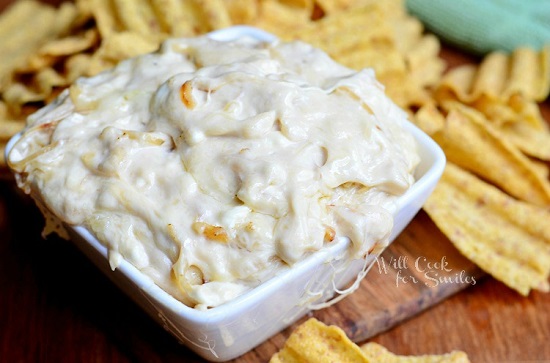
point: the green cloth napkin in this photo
(481, 26)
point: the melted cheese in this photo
(211, 166)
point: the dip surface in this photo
(212, 166)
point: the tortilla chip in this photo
(215, 13)
(119, 46)
(469, 141)
(423, 63)
(77, 65)
(18, 42)
(137, 16)
(280, 19)
(530, 140)
(529, 74)
(242, 11)
(314, 342)
(19, 93)
(516, 109)
(429, 119)
(504, 87)
(71, 44)
(542, 168)
(2, 155)
(377, 353)
(405, 60)
(507, 238)
(501, 75)
(8, 128)
(48, 78)
(105, 17)
(175, 17)
(333, 6)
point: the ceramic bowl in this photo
(230, 330)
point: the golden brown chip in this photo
(65, 17)
(215, 12)
(57, 23)
(305, 4)
(517, 109)
(423, 63)
(469, 141)
(77, 65)
(334, 6)
(386, 61)
(541, 168)
(71, 44)
(429, 119)
(137, 16)
(529, 74)
(405, 60)
(530, 140)
(48, 78)
(456, 84)
(242, 11)
(8, 128)
(379, 354)
(17, 43)
(404, 93)
(504, 87)
(314, 342)
(25, 74)
(507, 238)
(105, 17)
(119, 46)
(18, 93)
(280, 19)
(39, 88)
(2, 156)
(501, 75)
(3, 110)
(339, 33)
(408, 30)
(176, 17)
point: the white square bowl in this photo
(230, 330)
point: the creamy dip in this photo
(212, 166)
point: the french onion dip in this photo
(213, 166)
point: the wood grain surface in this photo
(421, 297)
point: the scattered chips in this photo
(405, 59)
(531, 141)
(500, 76)
(487, 120)
(30, 71)
(20, 42)
(469, 140)
(507, 238)
(377, 353)
(506, 89)
(314, 342)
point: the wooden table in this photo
(57, 307)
